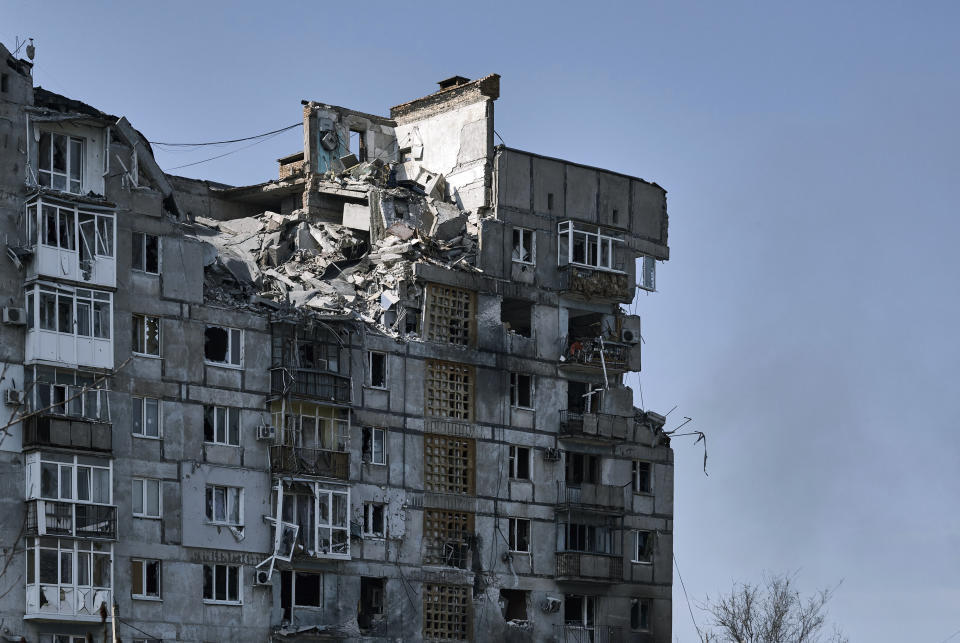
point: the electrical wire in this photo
(690, 609)
(232, 140)
(950, 637)
(220, 156)
(147, 634)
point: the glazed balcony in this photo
(593, 426)
(76, 520)
(308, 461)
(586, 494)
(66, 432)
(312, 384)
(589, 567)
(65, 602)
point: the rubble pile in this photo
(360, 267)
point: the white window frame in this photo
(515, 390)
(369, 510)
(67, 175)
(373, 458)
(513, 529)
(93, 300)
(232, 503)
(636, 555)
(143, 237)
(513, 462)
(528, 244)
(143, 321)
(143, 416)
(594, 236)
(293, 589)
(145, 513)
(386, 375)
(215, 570)
(224, 413)
(68, 472)
(635, 474)
(143, 579)
(234, 339)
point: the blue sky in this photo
(807, 320)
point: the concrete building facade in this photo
(379, 398)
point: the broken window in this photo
(583, 397)
(448, 464)
(521, 390)
(524, 248)
(223, 345)
(582, 467)
(587, 538)
(549, 201)
(224, 505)
(640, 614)
(446, 537)
(519, 462)
(642, 546)
(221, 584)
(60, 165)
(299, 589)
(373, 524)
(519, 535)
(146, 335)
(146, 253)
(358, 145)
(446, 612)
(578, 611)
(374, 442)
(449, 314)
(371, 601)
(221, 425)
(146, 417)
(377, 369)
(587, 245)
(513, 604)
(517, 316)
(67, 392)
(642, 477)
(146, 498)
(449, 390)
(144, 578)
(55, 311)
(648, 273)
(299, 508)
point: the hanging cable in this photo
(220, 156)
(233, 140)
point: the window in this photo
(223, 345)
(83, 312)
(587, 245)
(615, 216)
(373, 445)
(224, 505)
(221, 425)
(549, 201)
(583, 397)
(642, 477)
(642, 546)
(358, 145)
(449, 314)
(373, 525)
(145, 578)
(377, 369)
(145, 640)
(524, 248)
(53, 225)
(521, 390)
(63, 638)
(640, 614)
(60, 165)
(588, 538)
(300, 589)
(519, 535)
(66, 565)
(221, 583)
(372, 592)
(582, 468)
(648, 273)
(519, 462)
(333, 531)
(578, 611)
(448, 464)
(446, 537)
(146, 498)
(446, 612)
(449, 390)
(516, 316)
(146, 253)
(69, 478)
(66, 392)
(146, 417)
(4, 83)
(146, 335)
(513, 604)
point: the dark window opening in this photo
(615, 216)
(517, 316)
(639, 614)
(642, 478)
(306, 589)
(520, 462)
(378, 370)
(583, 397)
(550, 201)
(513, 604)
(584, 325)
(373, 520)
(521, 390)
(4, 83)
(578, 610)
(222, 345)
(581, 468)
(370, 610)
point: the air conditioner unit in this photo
(551, 454)
(630, 329)
(265, 432)
(13, 397)
(262, 577)
(14, 316)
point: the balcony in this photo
(584, 566)
(571, 633)
(592, 355)
(305, 461)
(66, 432)
(53, 602)
(77, 520)
(595, 284)
(593, 426)
(318, 385)
(590, 495)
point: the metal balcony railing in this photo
(309, 461)
(593, 425)
(77, 520)
(47, 430)
(586, 566)
(318, 385)
(590, 494)
(570, 633)
(591, 353)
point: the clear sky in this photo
(808, 318)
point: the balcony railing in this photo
(65, 602)
(589, 353)
(587, 634)
(596, 284)
(77, 520)
(602, 426)
(589, 494)
(584, 566)
(71, 433)
(309, 461)
(318, 385)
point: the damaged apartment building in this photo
(378, 398)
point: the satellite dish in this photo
(31, 50)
